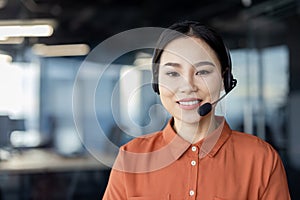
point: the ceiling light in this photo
(61, 50)
(4, 58)
(11, 40)
(3, 3)
(247, 3)
(26, 31)
(26, 28)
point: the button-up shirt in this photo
(226, 165)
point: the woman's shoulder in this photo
(251, 144)
(145, 143)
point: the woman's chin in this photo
(189, 118)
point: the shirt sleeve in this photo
(277, 187)
(115, 189)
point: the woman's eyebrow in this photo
(202, 63)
(172, 64)
(198, 64)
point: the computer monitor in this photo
(5, 131)
(8, 125)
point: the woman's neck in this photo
(194, 132)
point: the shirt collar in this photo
(208, 146)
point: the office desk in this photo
(46, 160)
(34, 173)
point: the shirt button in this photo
(194, 148)
(192, 193)
(193, 163)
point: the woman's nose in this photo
(188, 85)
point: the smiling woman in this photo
(195, 79)
(197, 155)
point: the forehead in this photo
(190, 50)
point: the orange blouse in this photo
(226, 165)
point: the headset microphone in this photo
(206, 108)
(229, 83)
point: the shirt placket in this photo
(194, 168)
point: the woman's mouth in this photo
(189, 104)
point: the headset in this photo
(226, 66)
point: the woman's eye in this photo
(172, 74)
(203, 72)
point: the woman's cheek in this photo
(168, 85)
(166, 90)
(215, 86)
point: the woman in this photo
(197, 155)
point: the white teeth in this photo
(188, 103)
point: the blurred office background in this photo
(44, 154)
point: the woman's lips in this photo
(189, 104)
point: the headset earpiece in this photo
(229, 81)
(155, 87)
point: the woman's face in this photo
(189, 76)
